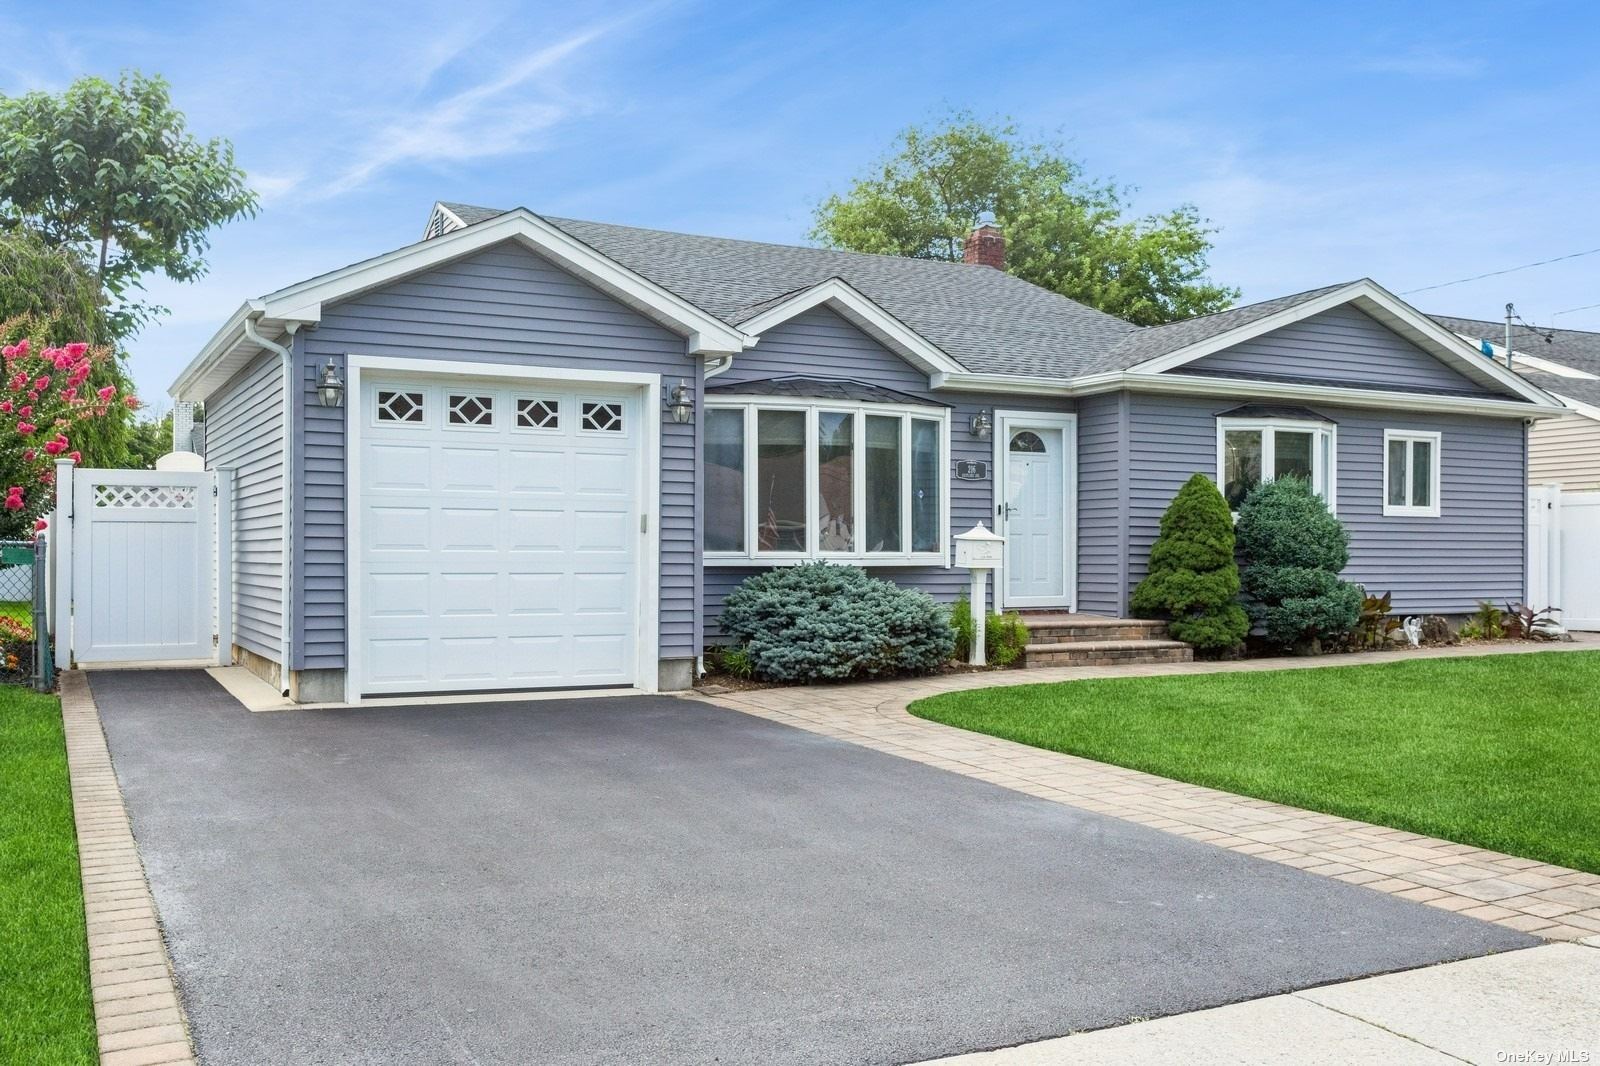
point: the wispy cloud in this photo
(1427, 61)
(498, 116)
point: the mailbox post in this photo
(980, 550)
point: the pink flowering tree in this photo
(47, 399)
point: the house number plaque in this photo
(972, 470)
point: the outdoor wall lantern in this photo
(982, 424)
(330, 390)
(681, 406)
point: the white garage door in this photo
(500, 534)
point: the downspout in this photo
(287, 567)
(713, 368)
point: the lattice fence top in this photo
(146, 497)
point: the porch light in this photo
(330, 390)
(681, 406)
(983, 424)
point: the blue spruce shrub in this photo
(1294, 549)
(819, 622)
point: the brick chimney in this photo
(986, 245)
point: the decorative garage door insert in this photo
(499, 536)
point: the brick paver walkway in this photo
(137, 1013)
(1548, 901)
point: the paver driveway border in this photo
(139, 1019)
(1547, 901)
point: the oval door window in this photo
(1027, 441)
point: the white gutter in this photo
(1170, 382)
(286, 602)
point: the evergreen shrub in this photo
(1193, 580)
(1293, 550)
(821, 622)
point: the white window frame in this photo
(860, 410)
(1435, 440)
(1325, 440)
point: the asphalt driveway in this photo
(648, 879)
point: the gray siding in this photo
(505, 306)
(1341, 344)
(244, 422)
(1473, 551)
(820, 343)
(1565, 451)
(1102, 502)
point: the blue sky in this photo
(1412, 143)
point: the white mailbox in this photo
(980, 550)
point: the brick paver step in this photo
(1108, 653)
(1056, 628)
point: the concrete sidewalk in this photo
(1541, 1005)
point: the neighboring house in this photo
(1562, 451)
(562, 443)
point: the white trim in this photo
(440, 209)
(1434, 440)
(1497, 351)
(1004, 423)
(1325, 442)
(647, 637)
(1195, 385)
(1388, 309)
(1188, 384)
(1580, 408)
(1559, 370)
(222, 564)
(811, 407)
(860, 310)
(303, 302)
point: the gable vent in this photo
(440, 223)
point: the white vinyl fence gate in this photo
(1564, 555)
(141, 565)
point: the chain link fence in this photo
(24, 630)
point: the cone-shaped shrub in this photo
(1293, 550)
(1193, 579)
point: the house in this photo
(1562, 451)
(532, 452)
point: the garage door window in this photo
(534, 413)
(470, 410)
(395, 405)
(602, 417)
(831, 481)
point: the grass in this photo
(1501, 751)
(46, 1014)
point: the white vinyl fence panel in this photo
(144, 565)
(1564, 555)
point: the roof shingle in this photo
(984, 319)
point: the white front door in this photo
(499, 535)
(1034, 510)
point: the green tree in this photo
(1294, 550)
(1193, 579)
(1064, 231)
(49, 287)
(113, 173)
(148, 440)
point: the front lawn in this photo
(1500, 751)
(46, 1015)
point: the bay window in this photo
(796, 479)
(1253, 450)
(1410, 473)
